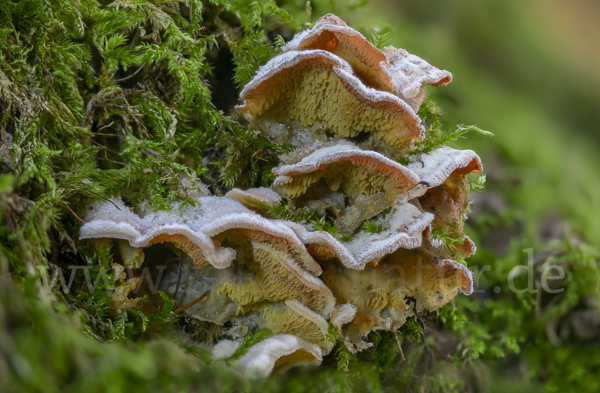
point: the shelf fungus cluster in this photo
(351, 111)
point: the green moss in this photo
(371, 227)
(283, 211)
(323, 225)
(479, 183)
(343, 358)
(436, 136)
(380, 40)
(250, 340)
(93, 298)
(441, 234)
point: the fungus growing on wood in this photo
(345, 167)
(445, 170)
(253, 272)
(120, 297)
(410, 73)
(403, 229)
(332, 34)
(362, 208)
(197, 231)
(280, 353)
(393, 70)
(105, 221)
(381, 293)
(271, 284)
(131, 257)
(260, 195)
(301, 96)
(274, 276)
(297, 319)
(342, 314)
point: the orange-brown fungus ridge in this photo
(350, 109)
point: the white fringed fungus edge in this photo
(279, 353)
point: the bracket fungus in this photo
(280, 353)
(410, 73)
(357, 184)
(196, 231)
(302, 96)
(257, 195)
(404, 283)
(350, 109)
(445, 170)
(346, 167)
(331, 81)
(272, 266)
(332, 34)
(393, 70)
(404, 229)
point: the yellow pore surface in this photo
(184, 244)
(449, 202)
(286, 320)
(346, 177)
(273, 276)
(297, 358)
(315, 96)
(401, 275)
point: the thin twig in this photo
(153, 152)
(104, 147)
(72, 212)
(114, 162)
(104, 126)
(98, 195)
(179, 275)
(399, 346)
(132, 75)
(75, 131)
(55, 276)
(180, 309)
(99, 145)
